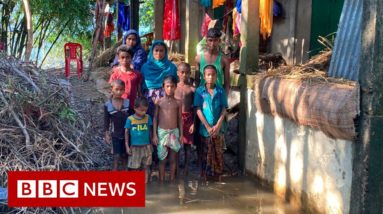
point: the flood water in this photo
(193, 196)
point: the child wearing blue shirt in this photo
(211, 103)
(138, 132)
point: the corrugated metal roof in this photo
(347, 49)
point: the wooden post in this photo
(158, 18)
(192, 30)
(248, 64)
(134, 14)
(366, 193)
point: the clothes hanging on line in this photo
(171, 24)
(206, 3)
(109, 25)
(205, 25)
(123, 18)
(266, 17)
(218, 3)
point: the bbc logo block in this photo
(47, 189)
(76, 189)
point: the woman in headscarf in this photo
(154, 72)
(133, 41)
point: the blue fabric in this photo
(139, 56)
(277, 9)
(239, 6)
(211, 106)
(123, 19)
(139, 129)
(206, 3)
(154, 71)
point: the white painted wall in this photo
(306, 161)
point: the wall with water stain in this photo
(304, 166)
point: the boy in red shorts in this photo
(185, 93)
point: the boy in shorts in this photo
(138, 132)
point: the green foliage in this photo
(146, 16)
(66, 113)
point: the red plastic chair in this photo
(73, 51)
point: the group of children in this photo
(152, 114)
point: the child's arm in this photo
(194, 113)
(139, 88)
(217, 126)
(155, 125)
(203, 120)
(197, 77)
(226, 75)
(180, 119)
(127, 142)
(108, 139)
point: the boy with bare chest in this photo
(185, 93)
(167, 124)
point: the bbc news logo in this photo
(76, 189)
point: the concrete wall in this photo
(291, 34)
(305, 166)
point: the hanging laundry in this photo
(266, 17)
(205, 25)
(277, 9)
(123, 18)
(239, 6)
(109, 25)
(171, 25)
(236, 23)
(206, 3)
(218, 3)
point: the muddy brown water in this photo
(192, 196)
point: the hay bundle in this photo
(315, 69)
(39, 129)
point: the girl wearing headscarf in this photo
(133, 41)
(154, 72)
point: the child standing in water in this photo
(167, 125)
(115, 114)
(138, 131)
(211, 102)
(130, 77)
(184, 93)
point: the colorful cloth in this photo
(141, 156)
(139, 129)
(131, 79)
(154, 71)
(212, 156)
(266, 17)
(139, 56)
(218, 3)
(211, 106)
(152, 95)
(205, 25)
(206, 3)
(171, 26)
(236, 22)
(238, 6)
(168, 138)
(187, 122)
(218, 65)
(123, 17)
(109, 25)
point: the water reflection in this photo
(193, 195)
